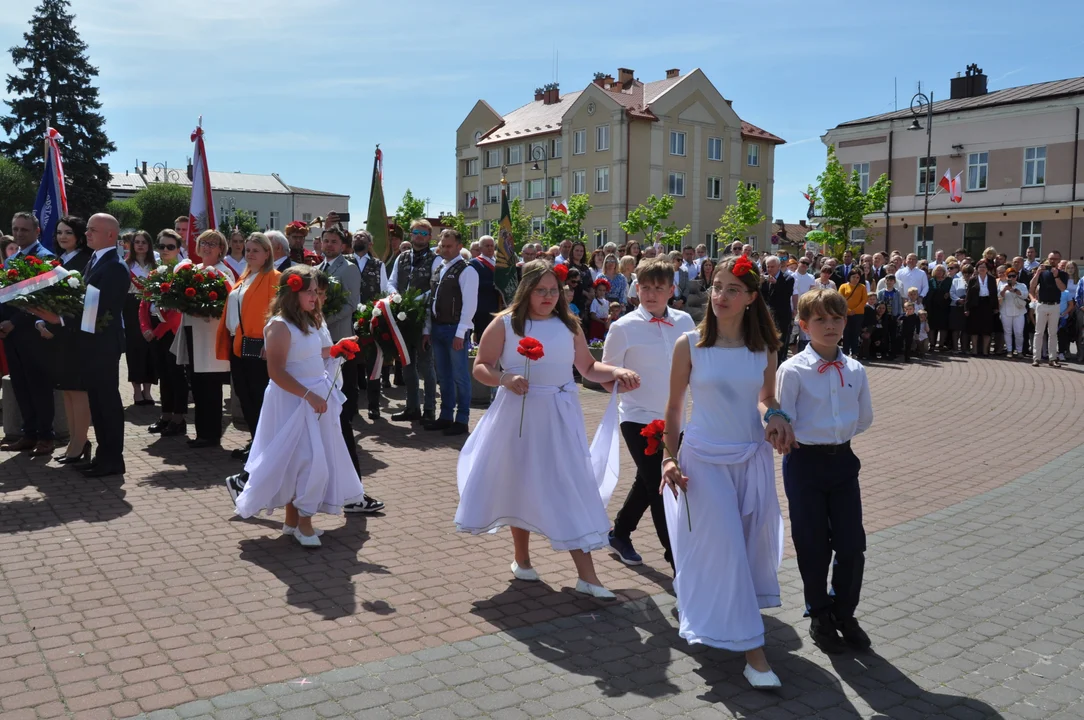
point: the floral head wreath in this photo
(294, 283)
(602, 282)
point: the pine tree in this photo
(52, 86)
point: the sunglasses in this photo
(167, 247)
(1012, 275)
(419, 232)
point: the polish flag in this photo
(473, 202)
(559, 207)
(956, 195)
(201, 212)
(946, 182)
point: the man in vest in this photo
(488, 297)
(374, 285)
(451, 318)
(415, 270)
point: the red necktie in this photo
(662, 321)
(837, 364)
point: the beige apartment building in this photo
(619, 141)
(1021, 160)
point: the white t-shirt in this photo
(803, 283)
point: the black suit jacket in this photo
(488, 302)
(777, 295)
(110, 275)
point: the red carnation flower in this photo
(13, 273)
(55, 263)
(346, 348)
(198, 277)
(653, 431)
(165, 286)
(741, 266)
(295, 283)
(530, 349)
(33, 260)
(212, 295)
(561, 271)
(190, 292)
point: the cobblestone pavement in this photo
(121, 598)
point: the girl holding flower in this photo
(137, 350)
(506, 480)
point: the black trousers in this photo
(350, 410)
(173, 382)
(250, 380)
(826, 518)
(371, 387)
(107, 410)
(32, 382)
(137, 351)
(207, 394)
(644, 492)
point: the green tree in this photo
(126, 212)
(52, 86)
(161, 204)
(842, 206)
(560, 226)
(17, 192)
(650, 218)
(739, 217)
(459, 222)
(243, 220)
(521, 223)
(409, 210)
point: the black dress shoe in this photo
(242, 453)
(853, 634)
(158, 426)
(437, 424)
(103, 471)
(406, 415)
(455, 429)
(374, 414)
(428, 416)
(825, 636)
(174, 429)
(198, 443)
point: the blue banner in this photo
(47, 206)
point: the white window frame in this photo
(718, 143)
(602, 177)
(863, 175)
(712, 241)
(515, 154)
(495, 197)
(493, 158)
(602, 138)
(579, 182)
(1037, 166)
(1031, 232)
(752, 155)
(715, 188)
(536, 183)
(273, 222)
(858, 236)
(515, 190)
(538, 225)
(579, 141)
(979, 180)
(487, 226)
(752, 185)
(557, 186)
(467, 198)
(675, 182)
(256, 216)
(471, 167)
(930, 174)
(555, 147)
(602, 236)
(306, 218)
(677, 143)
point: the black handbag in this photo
(250, 347)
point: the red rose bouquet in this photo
(346, 349)
(380, 328)
(199, 292)
(31, 282)
(654, 432)
(530, 349)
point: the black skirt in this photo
(65, 362)
(980, 321)
(137, 351)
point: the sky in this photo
(307, 88)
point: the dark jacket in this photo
(778, 295)
(106, 343)
(488, 299)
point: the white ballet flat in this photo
(528, 574)
(582, 586)
(309, 541)
(291, 530)
(762, 680)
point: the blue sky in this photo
(305, 88)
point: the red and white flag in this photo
(946, 182)
(201, 211)
(559, 207)
(473, 202)
(956, 195)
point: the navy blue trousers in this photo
(826, 519)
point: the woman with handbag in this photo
(240, 330)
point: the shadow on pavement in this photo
(68, 497)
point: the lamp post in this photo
(540, 152)
(167, 175)
(227, 211)
(923, 105)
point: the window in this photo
(579, 142)
(536, 150)
(470, 198)
(515, 154)
(974, 239)
(1035, 166)
(752, 155)
(676, 186)
(256, 216)
(470, 167)
(493, 158)
(273, 222)
(515, 190)
(602, 179)
(927, 176)
(493, 194)
(306, 218)
(978, 167)
(677, 143)
(863, 175)
(556, 186)
(534, 189)
(715, 149)
(602, 138)
(579, 182)
(752, 185)
(537, 225)
(488, 226)
(858, 236)
(602, 236)
(752, 240)
(1031, 235)
(715, 188)
(713, 244)
(555, 147)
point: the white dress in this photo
(727, 564)
(543, 482)
(297, 455)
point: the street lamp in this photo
(539, 152)
(923, 105)
(228, 210)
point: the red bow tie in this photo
(837, 364)
(662, 321)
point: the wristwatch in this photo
(772, 412)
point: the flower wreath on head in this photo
(294, 283)
(561, 271)
(602, 282)
(742, 266)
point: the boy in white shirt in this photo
(826, 395)
(643, 340)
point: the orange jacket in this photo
(254, 305)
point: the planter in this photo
(596, 353)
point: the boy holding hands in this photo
(827, 396)
(643, 341)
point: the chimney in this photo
(551, 93)
(539, 93)
(189, 172)
(607, 82)
(972, 84)
(624, 76)
(144, 167)
(802, 223)
(672, 73)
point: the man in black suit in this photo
(488, 297)
(776, 289)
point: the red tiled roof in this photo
(749, 130)
(795, 233)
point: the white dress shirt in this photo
(383, 272)
(826, 408)
(646, 347)
(468, 288)
(393, 279)
(234, 301)
(906, 278)
(1030, 265)
(279, 263)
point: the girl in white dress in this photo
(298, 458)
(542, 480)
(727, 564)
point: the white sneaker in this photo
(582, 586)
(527, 574)
(762, 680)
(309, 541)
(290, 530)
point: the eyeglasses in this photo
(544, 293)
(728, 292)
(424, 233)
(167, 247)
(208, 243)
